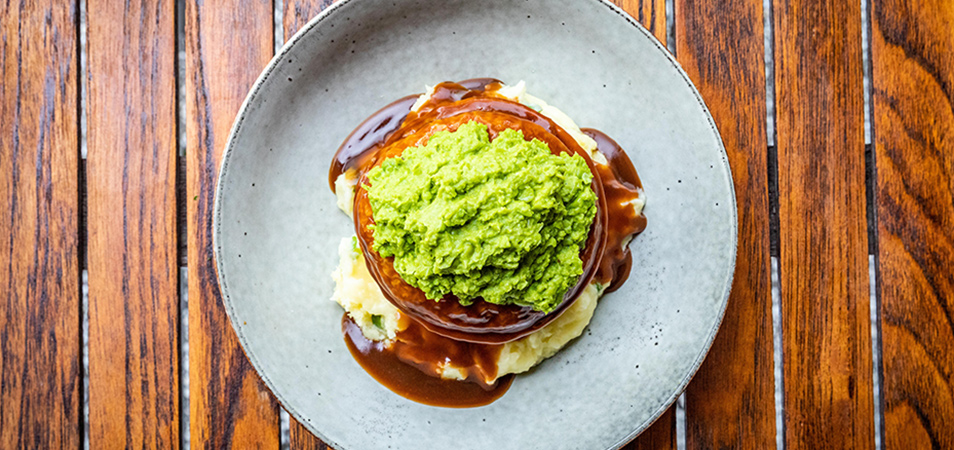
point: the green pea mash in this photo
(504, 220)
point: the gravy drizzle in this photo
(407, 368)
(471, 337)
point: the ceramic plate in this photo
(277, 228)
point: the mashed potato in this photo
(379, 320)
(361, 297)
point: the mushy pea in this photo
(504, 220)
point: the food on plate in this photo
(501, 220)
(488, 224)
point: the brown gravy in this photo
(360, 146)
(394, 367)
(362, 143)
(444, 330)
(620, 186)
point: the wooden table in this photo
(94, 179)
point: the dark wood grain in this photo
(131, 220)
(661, 435)
(650, 13)
(913, 105)
(826, 333)
(302, 439)
(730, 402)
(40, 343)
(297, 13)
(227, 44)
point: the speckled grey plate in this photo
(277, 228)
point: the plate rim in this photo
(237, 125)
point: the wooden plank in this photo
(133, 272)
(227, 44)
(913, 105)
(302, 439)
(826, 333)
(730, 402)
(40, 343)
(661, 435)
(297, 13)
(650, 13)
